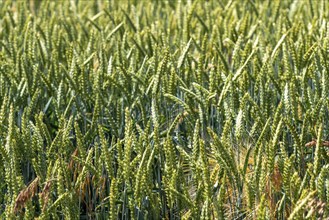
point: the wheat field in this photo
(174, 109)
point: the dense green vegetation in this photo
(164, 109)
